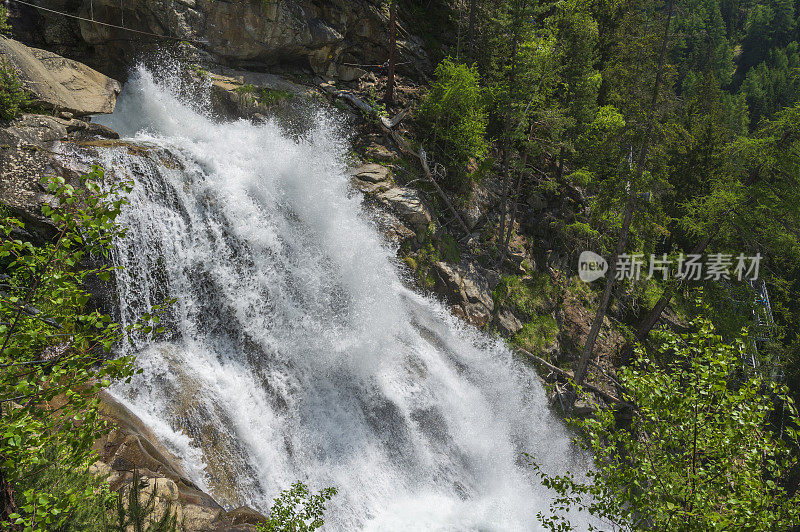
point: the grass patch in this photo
(538, 333)
(582, 291)
(265, 95)
(528, 296)
(449, 250)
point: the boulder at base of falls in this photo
(60, 84)
(132, 446)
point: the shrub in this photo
(297, 510)
(137, 510)
(4, 27)
(699, 454)
(449, 250)
(13, 97)
(454, 119)
(52, 355)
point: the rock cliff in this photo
(331, 37)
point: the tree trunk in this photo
(511, 91)
(586, 354)
(560, 169)
(472, 30)
(503, 208)
(514, 205)
(7, 504)
(649, 321)
(392, 50)
(512, 219)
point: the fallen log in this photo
(569, 376)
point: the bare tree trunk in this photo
(7, 504)
(503, 208)
(472, 30)
(560, 169)
(586, 354)
(514, 205)
(512, 219)
(511, 90)
(392, 50)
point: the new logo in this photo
(591, 266)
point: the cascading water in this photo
(295, 351)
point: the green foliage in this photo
(297, 510)
(454, 119)
(52, 350)
(137, 511)
(449, 250)
(97, 501)
(700, 453)
(774, 83)
(536, 334)
(13, 97)
(264, 95)
(5, 29)
(422, 262)
(527, 296)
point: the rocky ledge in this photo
(131, 449)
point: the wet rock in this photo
(58, 83)
(132, 446)
(239, 93)
(244, 515)
(28, 154)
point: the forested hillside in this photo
(251, 309)
(671, 126)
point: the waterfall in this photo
(295, 350)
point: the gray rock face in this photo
(58, 83)
(467, 289)
(131, 445)
(26, 156)
(330, 36)
(508, 323)
(408, 205)
(373, 173)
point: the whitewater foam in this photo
(295, 351)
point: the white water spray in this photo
(295, 351)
